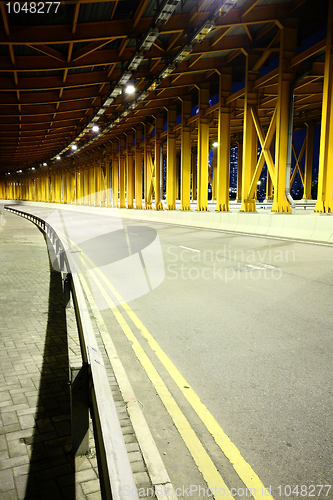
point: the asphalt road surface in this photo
(239, 331)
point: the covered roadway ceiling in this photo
(64, 67)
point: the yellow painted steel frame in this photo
(130, 171)
(115, 174)
(158, 142)
(171, 159)
(203, 148)
(288, 44)
(222, 181)
(325, 174)
(308, 162)
(185, 159)
(121, 156)
(138, 168)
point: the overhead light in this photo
(100, 111)
(183, 53)
(149, 39)
(32, 168)
(135, 62)
(19, 171)
(202, 32)
(215, 144)
(116, 91)
(167, 71)
(154, 84)
(44, 164)
(108, 101)
(143, 96)
(125, 77)
(117, 120)
(224, 9)
(95, 128)
(133, 105)
(74, 147)
(125, 113)
(166, 11)
(130, 89)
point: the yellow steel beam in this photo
(203, 148)
(308, 161)
(185, 159)
(138, 168)
(130, 171)
(158, 166)
(325, 172)
(223, 150)
(171, 159)
(121, 159)
(288, 45)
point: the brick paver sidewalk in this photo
(35, 458)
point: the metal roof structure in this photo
(64, 65)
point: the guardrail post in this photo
(80, 409)
(67, 288)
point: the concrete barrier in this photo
(303, 226)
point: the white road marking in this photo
(192, 249)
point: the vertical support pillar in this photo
(308, 161)
(130, 171)
(250, 144)
(138, 168)
(269, 182)
(91, 179)
(194, 173)
(97, 178)
(115, 174)
(122, 184)
(203, 148)
(171, 159)
(239, 170)
(325, 172)
(223, 149)
(185, 158)
(288, 45)
(158, 161)
(108, 160)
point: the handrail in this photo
(115, 472)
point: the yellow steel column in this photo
(97, 177)
(185, 158)
(171, 159)
(115, 174)
(138, 168)
(250, 139)
(158, 166)
(203, 148)
(130, 171)
(325, 172)
(194, 173)
(269, 183)
(239, 170)
(148, 168)
(214, 175)
(121, 157)
(86, 180)
(223, 148)
(108, 160)
(288, 44)
(308, 161)
(91, 179)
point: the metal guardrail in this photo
(90, 388)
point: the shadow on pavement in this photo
(51, 471)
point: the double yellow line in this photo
(204, 463)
